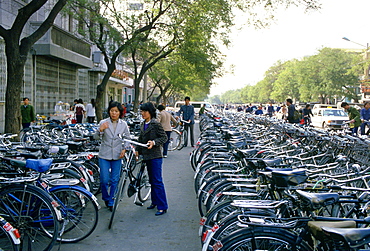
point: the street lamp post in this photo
(366, 56)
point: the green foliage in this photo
(331, 73)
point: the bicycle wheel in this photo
(184, 136)
(263, 238)
(175, 140)
(32, 211)
(144, 188)
(92, 167)
(79, 210)
(118, 196)
(6, 242)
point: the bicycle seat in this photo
(316, 226)
(271, 162)
(39, 165)
(34, 155)
(18, 163)
(355, 237)
(248, 152)
(276, 169)
(63, 149)
(313, 201)
(289, 178)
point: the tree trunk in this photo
(99, 103)
(100, 91)
(137, 93)
(15, 75)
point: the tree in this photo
(192, 45)
(113, 32)
(286, 83)
(328, 75)
(16, 50)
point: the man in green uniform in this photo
(28, 113)
(354, 116)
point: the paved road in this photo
(136, 228)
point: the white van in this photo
(197, 105)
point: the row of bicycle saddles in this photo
(263, 184)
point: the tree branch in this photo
(27, 42)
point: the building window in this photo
(111, 93)
(119, 95)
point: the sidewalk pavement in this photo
(136, 228)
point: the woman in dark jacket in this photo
(152, 134)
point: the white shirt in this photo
(90, 110)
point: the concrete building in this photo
(62, 66)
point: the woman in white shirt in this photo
(90, 111)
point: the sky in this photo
(294, 34)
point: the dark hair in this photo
(25, 98)
(187, 98)
(367, 102)
(289, 100)
(307, 105)
(160, 107)
(80, 101)
(93, 102)
(344, 104)
(76, 100)
(115, 104)
(149, 107)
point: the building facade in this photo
(61, 66)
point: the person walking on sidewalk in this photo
(152, 134)
(79, 111)
(90, 111)
(111, 151)
(165, 119)
(292, 117)
(187, 112)
(28, 113)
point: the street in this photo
(136, 228)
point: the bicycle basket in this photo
(39, 165)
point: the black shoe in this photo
(106, 203)
(151, 207)
(192, 145)
(160, 212)
(110, 208)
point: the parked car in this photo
(329, 118)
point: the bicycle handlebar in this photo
(135, 143)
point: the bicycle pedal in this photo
(138, 203)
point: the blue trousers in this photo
(155, 179)
(363, 127)
(165, 145)
(354, 130)
(110, 171)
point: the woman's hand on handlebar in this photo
(122, 154)
(150, 144)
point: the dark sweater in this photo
(153, 132)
